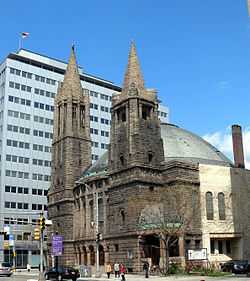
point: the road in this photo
(33, 276)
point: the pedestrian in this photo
(146, 268)
(117, 270)
(108, 269)
(122, 271)
(28, 267)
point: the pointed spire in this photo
(72, 83)
(133, 76)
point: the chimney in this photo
(238, 147)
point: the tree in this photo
(167, 228)
(166, 213)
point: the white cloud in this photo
(223, 141)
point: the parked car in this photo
(248, 269)
(6, 269)
(235, 266)
(62, 273)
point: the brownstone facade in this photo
(71, 153)
(137, 183)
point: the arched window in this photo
(100, 210)
(209, 206)
(101, 255)
(82, 113)
(221, 206)
(85, 259)
(122, 212)
(150, 157)
(91, 207)
(122, 160)
(92, 255)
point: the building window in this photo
(74, 110)
(212, 246)
(209, 206)
(122, 160)
(121, 114)
(220, 246)
(146, 112)
(117, 247)
(228, 246)
(82, 113)
(91, 205)
(150, 157)
(221, 206)
(123, 216)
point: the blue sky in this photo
(196, 53)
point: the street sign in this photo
(6, 245)
(57, 245)
(197, 254)
(6, 229)
(11, 240)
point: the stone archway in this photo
(84, 256)
(79, 255)
(101, 255)
(150, 249)
(92, 254)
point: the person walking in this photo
(117, 270)
(28, 267)
(123, 271)
(146, 268)
(108, 269)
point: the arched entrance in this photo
(92, 255)
(101, 255)
(150, 248)
(85, 257)
(79, 255)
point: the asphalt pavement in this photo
(33, 276)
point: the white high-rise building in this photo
(28, 84)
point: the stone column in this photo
(182, 250)
(106, 254)
(88, 256)
(181, 246)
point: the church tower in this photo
(135, 130)
(71, 153)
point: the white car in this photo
(5, 269)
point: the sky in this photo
(195, 53)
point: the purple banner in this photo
(57, 245)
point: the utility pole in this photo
(97, 230)
(42, 227)
(97, 237)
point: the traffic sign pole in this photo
(41, 274)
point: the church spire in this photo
(72, 83)
(133, 76)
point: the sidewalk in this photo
(133, 277)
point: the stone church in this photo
(154, 178)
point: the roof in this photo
(59, 67)
(179, 144)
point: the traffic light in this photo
(37, 234)
(42, 223)
(98, 237)
(5, 236)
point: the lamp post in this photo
(97, 230)
(42, 226)
(97, 236)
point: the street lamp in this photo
(97, 230)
